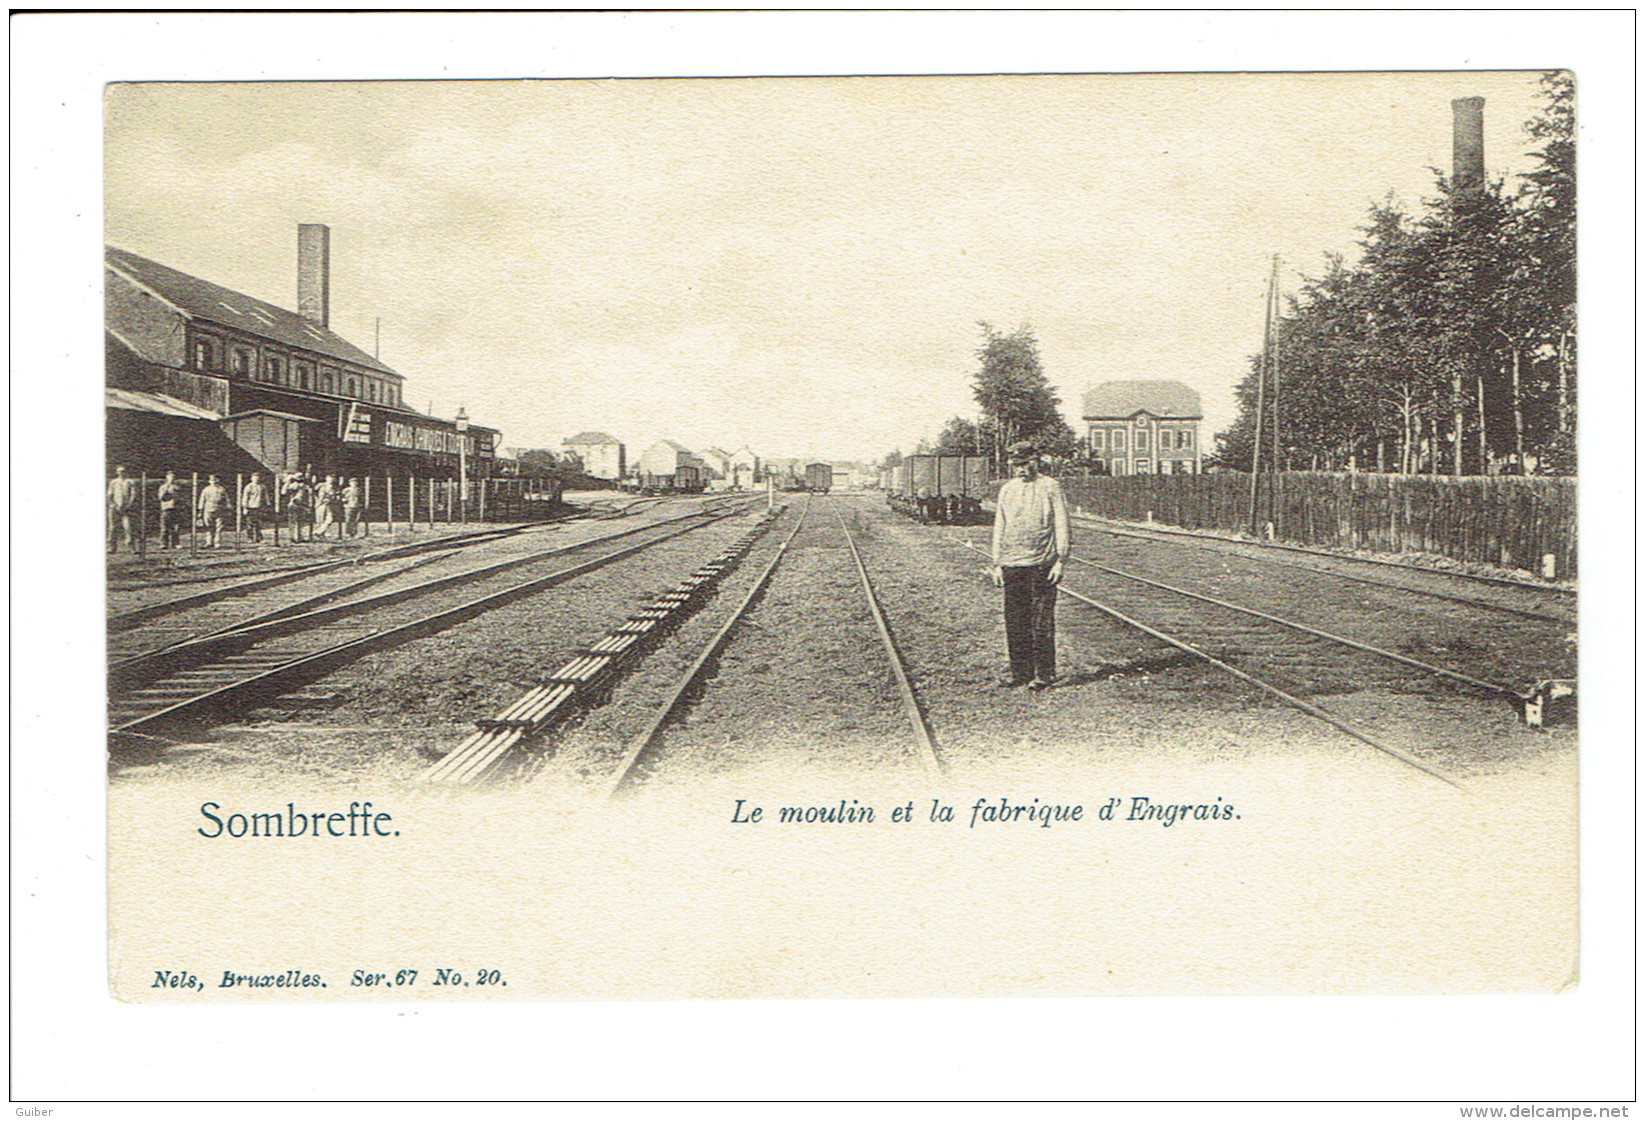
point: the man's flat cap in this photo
(1022, 452)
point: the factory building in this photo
(603, 456)
(199, 377)
(1144, 427)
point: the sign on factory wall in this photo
(432, 439)
(357, 426)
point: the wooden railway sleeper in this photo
(589, 673)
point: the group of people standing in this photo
(312, 506)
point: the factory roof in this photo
(591, 437)
(201, 299)
(141, 402)
(1114, 400)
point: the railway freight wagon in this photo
(946, 489)
(819, 477)
(686, 479)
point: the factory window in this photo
(1116, 439)
(240, 361)
(1096, 440)
(1185, 438)
(1140, 442)
(274, 370)
(205, 354)
(328, 380)
(371, 391)
(1143, 467)
(353, 388)
(1117, 467)
(304, 374)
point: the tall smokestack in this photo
(1467, 142)
(314, 273)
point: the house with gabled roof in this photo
(603, 456)
(1144, 427)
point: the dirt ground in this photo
(804, 684)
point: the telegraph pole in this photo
(1273, 354)
(1262, 381)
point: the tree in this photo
(962, 437)
(1453, 333)
(1016, 400)
(1549, 233)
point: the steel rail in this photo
(192, 652)
(126, 620)
(1437, 671)
(1295, 702)
(647, 739)
(1086, 522)
(469, 537)
(584, 678)
(132, 663)
(1504, 581)
(922, 732)
(307, 667)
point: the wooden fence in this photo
(1504, 521)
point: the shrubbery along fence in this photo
(1506, 521)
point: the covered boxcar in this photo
(819, 477)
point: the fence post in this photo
(483, 499)
(431, 503)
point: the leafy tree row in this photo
(1450, 347)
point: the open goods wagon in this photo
(687, 480)
(946, 489)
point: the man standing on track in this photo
(1031, 543)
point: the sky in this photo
(798, 265)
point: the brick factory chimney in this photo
(1467, 142)
(314, 273)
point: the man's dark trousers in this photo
(1030, 621)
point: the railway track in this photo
(263, 598)
(127, 620)
(586, 679)
(1258, 647)
(1546, 602)
(644, 749)
(239, 667)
